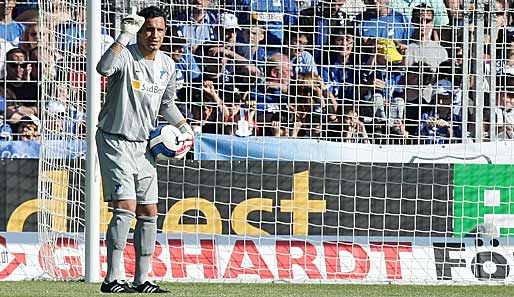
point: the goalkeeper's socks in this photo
(145, 234)
(116, 239)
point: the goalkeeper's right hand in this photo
(130, 25)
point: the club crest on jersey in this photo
(164, 74)
(147, 87)
(118, 189)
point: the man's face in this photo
(256, 35)
(454, 8)
(444, 101)
(151, 35)
(382, 7)
(282, 73)
(298, 44)
(28, 131)
(32, 34)
(425, 23)
(201, 5)
(501, 14)
(16, 66)
(459, 57)
(285, 72)
(344, 44)
(7, 6)
(176, 53)
(46, 59)
(229, 36)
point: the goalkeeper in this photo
(141, 85)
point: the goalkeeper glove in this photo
(130, 25)
(187, 138)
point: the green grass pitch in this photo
(79, 289)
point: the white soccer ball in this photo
(165, 145)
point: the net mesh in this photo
(348, 141)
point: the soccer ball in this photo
(165, 145)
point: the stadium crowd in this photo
(368, 71)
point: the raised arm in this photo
(111, 59)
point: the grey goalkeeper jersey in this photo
(137, 91)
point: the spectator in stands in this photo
(453, 74)
(381, 82)
(10, 30)
(29, 128)
(5, 128)
(243, 114)
(274, 17)
(199, 26)
(380, 21)
(312, 106)
(338, 67)
(252, 48)
(4, 48)
(353, 128)
(231, 115)
(214, 68)
(440, 124)
(187, 70)
(65, 119)
(505, 108)
(185, 63)
(453, 33)
(26, 16)
(61, 12)
(322, 19)
(507, 63)
(73, 37)
(30, 37)
(238, 70)
(19, 81)
(5, 131)
(178, 43)
(417, 94)
(424, 49)
(41, 56)
(273, 96)
(406, 7)
(301, 60)
(24, 6)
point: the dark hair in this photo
(416, 12)
(151, 12)
(16, 51)
(451, 72)
(295, 32)
(505, 83)
(32, 51)
(424, 71)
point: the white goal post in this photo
(331, 147)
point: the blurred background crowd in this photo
(360, 71)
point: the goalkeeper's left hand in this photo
(187, 138)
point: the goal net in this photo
(336, 141)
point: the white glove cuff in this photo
(124, 39)
(185, 128)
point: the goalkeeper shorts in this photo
(128, 169)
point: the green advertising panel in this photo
(483, 200)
